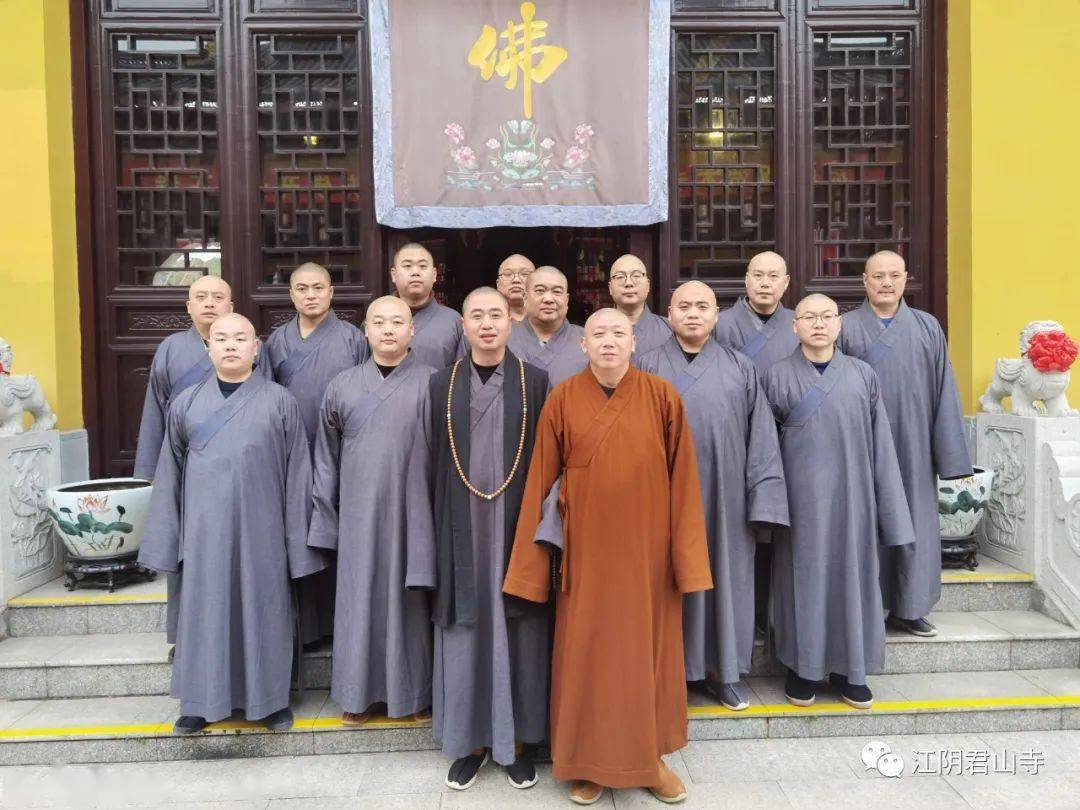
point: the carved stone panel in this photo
(31, 554)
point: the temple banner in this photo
(501, 112)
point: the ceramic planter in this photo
(962, 503)
(102, 519)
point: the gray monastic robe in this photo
(371, 504)
(181, 360)
(919, 391)
(742, 482)
(846, 497)
(438, 338)
(305, 366)
(561, 357)
(651, 331)
(230, 507)
(740, 329)
(492, 675)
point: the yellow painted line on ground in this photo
(86, 599)
(304, 724)
(974, 576)
(895, 706)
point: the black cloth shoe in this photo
(463, 772)
(521, 773)
(917, 627)
(799, 691)
(281, 720)
(189, 724)
(856, 695)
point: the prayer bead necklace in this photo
(453, 445)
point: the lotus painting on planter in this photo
(961, 505)
(100, 519)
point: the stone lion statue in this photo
(18, 393)
(1038, 379)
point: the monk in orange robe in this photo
(629, 536)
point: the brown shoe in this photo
(582, 792)
(671, 790)
(354, 718)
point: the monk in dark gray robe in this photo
(371, 502)
(742, 486)
(545, 338)
(438, 340)
(230, 507)
(181, 360)
(907, 349)
(492, 652)
(306, 353)
(760, 327)
(846, 498)
(628, 283)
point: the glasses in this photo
(302, 289)
(508, 275)
(773, 277)
(636, 277)
(810, 318)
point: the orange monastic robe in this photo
(634, 544)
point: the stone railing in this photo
(1033, 517)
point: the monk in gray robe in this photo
(545, 338)
(742, 486)
(492, 652)
(512, 280)
(181, 360)
(760, 327)
(628, 283)
(371, 497)
(438, 341)
(306, 353)
(230, 507)
(846, 498)
(907, 349)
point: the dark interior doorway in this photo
(470, 258)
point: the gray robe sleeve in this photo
(327, 475)
(893, 516)
(951, 457)
(152, 426)
(766, 489)
(264, 364)
(420, 567)
(297, 507)
(161, 547)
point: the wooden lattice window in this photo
(725, 127)
(309, 122)
(165, 124)
(862, 147)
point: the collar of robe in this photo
(487, 496)
(229, 407)
(689, 373)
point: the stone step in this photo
(136, 663)
(135, 729)
(51, 610)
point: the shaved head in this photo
(410, 247)
(387, 306)
(693, 289)
(886, 258)
(483, 291)
(766, 260)
(549, 274)
(816, 301)
(232, 323)
(627, 263)
(310, 267)
(607, 315)
(211, 284)
(516, 260)
(209, 298)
